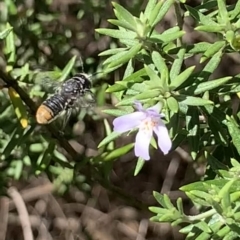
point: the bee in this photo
(70, 94)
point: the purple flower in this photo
(147, 121)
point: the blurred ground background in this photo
(48, 37)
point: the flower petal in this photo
(164, 141)
(142, 142)
(138, 105)
(128, 122)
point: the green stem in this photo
(201, 216)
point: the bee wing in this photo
(65, 118)
(48, 81)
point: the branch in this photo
(22, 212)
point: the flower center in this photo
(148, 124)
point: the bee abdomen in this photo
(50, 109)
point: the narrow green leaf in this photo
(129, 69)
(205, 20)
(203, 235)
(9, 48)
(117, 33)
(222, 11)
(163, 10)
(115, 112)
(209, 85)
(172, 104)
(123, 14)
(112, 51)
(167, 201)
(224, 194)
(155, 11)
(116, 88)
(181, 78)
(234, 131)
(130, 54)
(118, 152)
(235, 13)
(160, 64)
(180, 206)
(115, 57)
(122, 24)
(149, 94)
(177, 64)
(14, 141)
(5, 32)
(153, 75)
(160, 199)
(212, 50)
(193, 128)
(19, 107)
(210, 28)
(108, 139)
(193, 101)
(210, 66)
(139, 166)
(166, 38)
(136, 75)
(67, 69)
(149, 8)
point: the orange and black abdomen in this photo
(50, 109)
(44, 114)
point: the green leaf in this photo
(205, 20)
(152, 75)
(212, 50)
(222, 11)
(160, 199)
(172, 104)
(234, 132)
(129, 54)
(122, 24)
(160, 64)
(166, 38)
(151, 4)
(234, 14)
(19, 107)
(209, 85)
(112, 51)
(210, 66)
(116, 88)
(154, 13)
(177, 64)
(109, 138)
(117, 33)
(67, 69)
(181, 78)
(118, 152)
(225, 194)
(136, 75)
(193, 128)
(115, 112)
(139, 166)
(149, 94)
(123, 14)
(163, 10)
(129, 69)
(210, 28)
(9, 48)
(5, 32)
(193, 101)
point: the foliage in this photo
(197, 105)
(156, 71)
